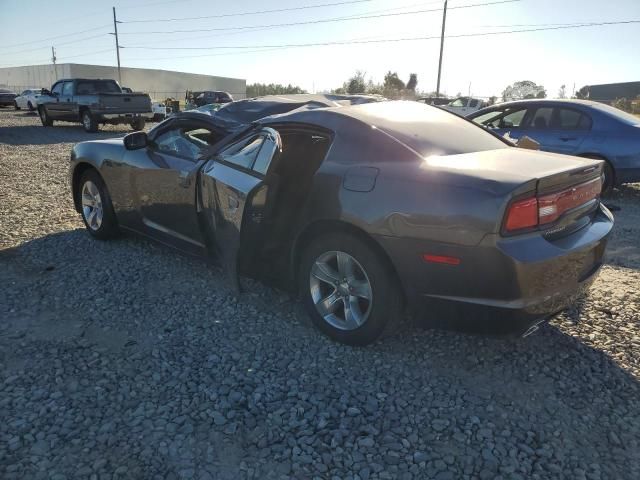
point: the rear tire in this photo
(609, 175)
(138, 124)
(330, 302)
(44, 117)
(89, 122)
(95, 205)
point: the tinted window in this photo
(243, 153)
(541, 118)
(57, 88)
(68, 88)
(473, 103)
(90, 87)
(572, 120)
(185, 141)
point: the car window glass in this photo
(457, 103)
(473, 103)
(186, 142)
(243, 153)
(512, 119)
(68, 88)
(585, 122)
(568, 119)
(487, 118)
(57, 88)
(542, 118)
(26, 92)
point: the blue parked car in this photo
(573, 127)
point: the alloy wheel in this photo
(340, 290)
(92, 205)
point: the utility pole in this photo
(444, 22)
(53, 60)
(115, 29)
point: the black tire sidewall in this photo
(46, 121)
(93, 125)
(109, 227)
(30, 106)
(387, 304)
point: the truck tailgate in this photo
(125, 102)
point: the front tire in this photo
(89, 122)
(15, 105)
(44, 117)
(96, 207)
(30, 106)
(348, 289)
(138, 124)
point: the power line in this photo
(257, 12)
(58, 44)
(389, 40)
(57, 36)
(325, 20)
(260, 29)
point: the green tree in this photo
(413, 82)
(583, 92)
(562, 93)
(392, 82)
(259, 89)
(356, 84)
(522, 90)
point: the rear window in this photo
(427, 130)
(90, 87)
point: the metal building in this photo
(159, 84)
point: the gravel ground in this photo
(126, 360)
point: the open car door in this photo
(237, 186)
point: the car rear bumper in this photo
(503, 284)
(124, 117)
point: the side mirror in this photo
(135, 141)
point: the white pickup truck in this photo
(463, 106)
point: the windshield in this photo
(618, 114)
(89, 87)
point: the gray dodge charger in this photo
(364, 208)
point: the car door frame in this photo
(166, 232)
(53, 107)
(226, 191)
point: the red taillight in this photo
(535, 211)
(554, 205)
(522, 214)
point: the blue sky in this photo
(482, 65)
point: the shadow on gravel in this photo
(70, 133)
(147, 310)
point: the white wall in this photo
(36, 76)
(158, 83)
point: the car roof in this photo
(548, 101)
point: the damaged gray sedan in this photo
(365, 209)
